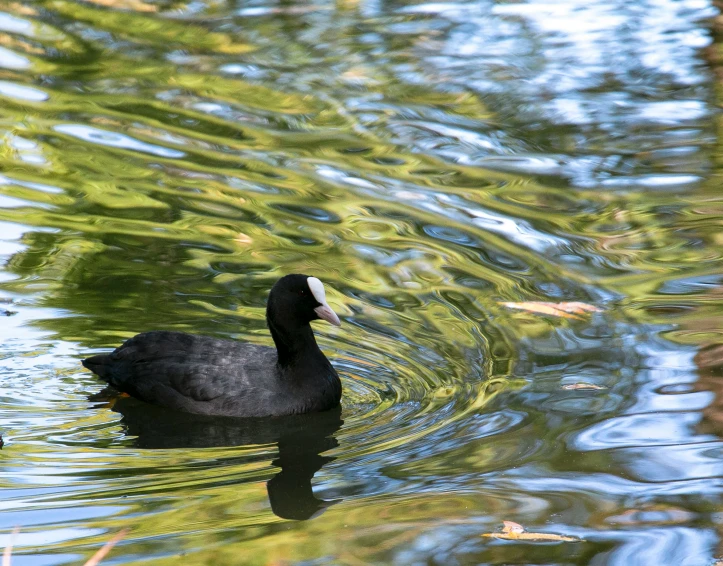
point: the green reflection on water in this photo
(163, 163)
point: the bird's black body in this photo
(210, 376)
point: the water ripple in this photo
(163, 164)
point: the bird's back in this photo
(198, 374)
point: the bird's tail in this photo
(99, 365)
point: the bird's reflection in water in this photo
(301, 440)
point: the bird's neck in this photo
(293, 344)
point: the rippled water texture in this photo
(163, 162)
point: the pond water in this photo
(163, 162)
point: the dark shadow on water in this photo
(301, 440)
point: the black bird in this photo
(210, 376)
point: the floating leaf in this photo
(512, 527)
(564, 310)
(515, 531)
(582, 386)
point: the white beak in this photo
(324, 312)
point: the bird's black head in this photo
(297, 300)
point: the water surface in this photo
(164, 162)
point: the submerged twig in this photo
(92, 561)
(101, 554)
(9, 547)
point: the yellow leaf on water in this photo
(582, 386)
(564, 310)
(515, 531)
(539, 537)
(512, 527)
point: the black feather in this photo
(210, 376)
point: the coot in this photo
(210, 376)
